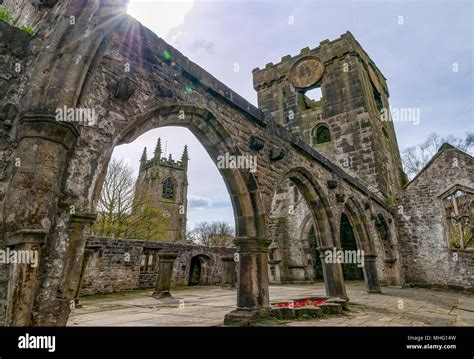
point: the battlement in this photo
(327, 52)
(169, 162)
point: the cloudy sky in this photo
(418, 46)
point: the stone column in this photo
(64, 301)
(333, 276)
(31, 202)
(228, 272)
(85, 262)
(253, 300)
(163, 284)
(24, 277)
(370, 274)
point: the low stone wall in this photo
(113, 265)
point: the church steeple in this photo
(185, 156)
(143, 159)
(158, 150)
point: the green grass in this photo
(5, 15)
(29, 30)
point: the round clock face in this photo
(306, 72)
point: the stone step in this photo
(314, 312)
(342, 302)
(282, 313)
(331, 308)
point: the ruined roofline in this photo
(444, 147)
(198, 75)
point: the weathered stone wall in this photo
(427, 257)
(14, 52)
(114, 264)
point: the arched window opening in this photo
(322, 135)
(458, 207)
(168, 189)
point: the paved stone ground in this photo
(206, 306)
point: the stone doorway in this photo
(315, 257)
(199, 270)
(351, 271)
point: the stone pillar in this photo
(24, 277)
(333, 276)
(31, 203)
(228, 272)
(253, 300)
(78, 231)
(370, 274)
(85, 262)
(163, 284)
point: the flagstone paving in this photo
(207, 306)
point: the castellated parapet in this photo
(344, 123)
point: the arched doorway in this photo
(315, 256)
(199, 270)
(354, 237)
(351, 271)
(321, 221)
(308, 234)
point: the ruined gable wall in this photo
(426, 255)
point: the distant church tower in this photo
(165, 182)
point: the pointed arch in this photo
(324, 227)
(364, 242)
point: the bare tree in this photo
(216, 233)
(116, 200)
(120, 214)
(416, 157)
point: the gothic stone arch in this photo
(322, 216)
(364, 243)
(134, 81)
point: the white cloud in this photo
(160, 16)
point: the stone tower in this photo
(164, 183)
(346, 123)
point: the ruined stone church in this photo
(329, 175)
